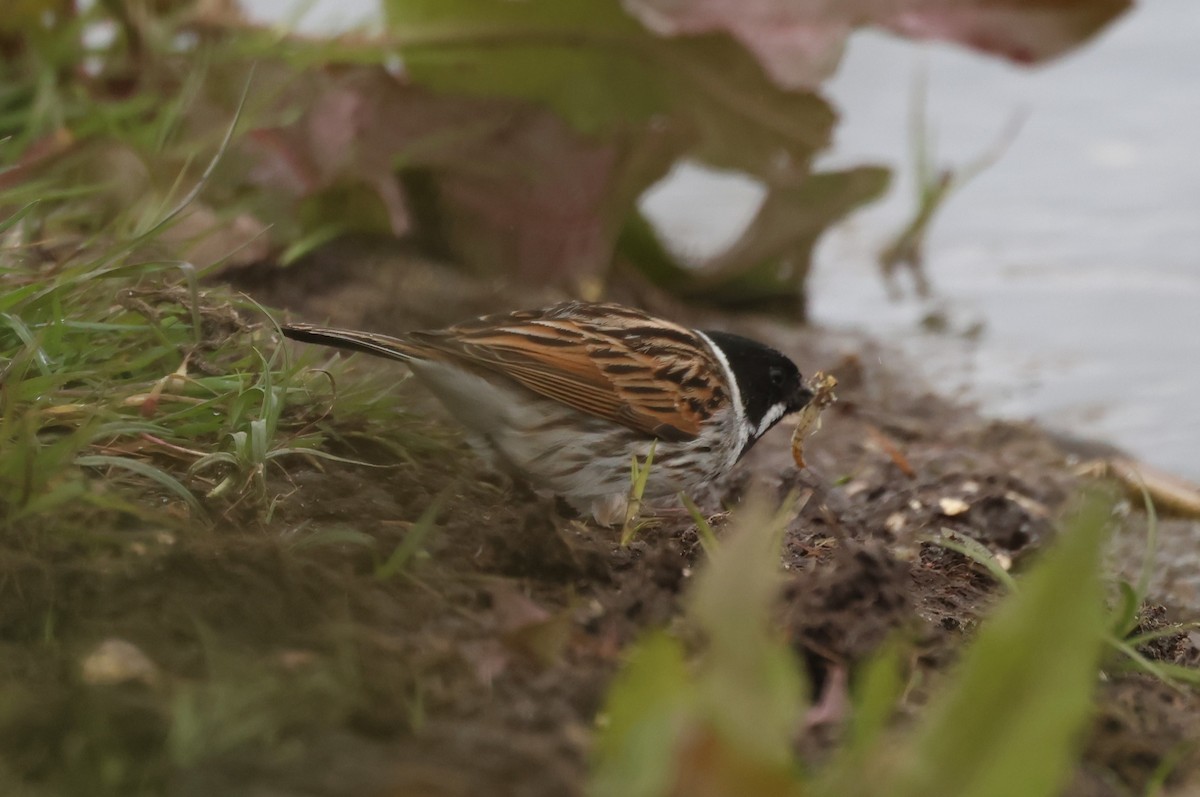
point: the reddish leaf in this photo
(511, 187)
(800, 43)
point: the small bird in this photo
(566, 395)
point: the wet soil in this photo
(281, 663)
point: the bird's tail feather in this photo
(367, 342)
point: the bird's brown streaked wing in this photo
(609, 361)
(644, 374)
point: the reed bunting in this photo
(566, 395)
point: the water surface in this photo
(1078, 252)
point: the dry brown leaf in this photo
(1169, 493)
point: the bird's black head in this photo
(770, 383)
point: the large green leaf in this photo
(596, 67)
(582, 58)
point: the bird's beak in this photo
(800, 399)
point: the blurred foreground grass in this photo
(1011, 720)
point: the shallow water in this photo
(1079, 250)
(1077, 253)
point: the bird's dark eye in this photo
(777, 376)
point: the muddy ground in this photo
(479, 669)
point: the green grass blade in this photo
(978, 552)
(1171, 630)
(1125, 615)
(319, 454)
(639, 475)
(258, 441)
(11, 298)
(22, 212)
(643, 717)
(157, 475)
(704, 529)
(187, 200)
(27, 337)
(1167, 672)
(413, 541)
(878, 691)
(1151, 551)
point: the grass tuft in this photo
(125, 386)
